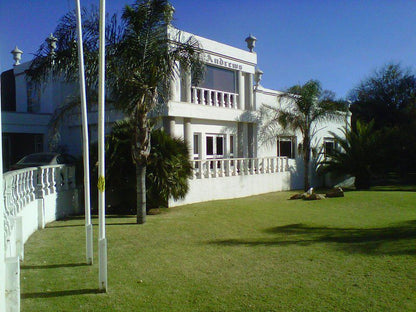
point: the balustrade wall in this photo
(235, 177)
(32, 198)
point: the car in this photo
(43, 159)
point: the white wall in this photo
(201, 190)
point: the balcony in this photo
(214, 98)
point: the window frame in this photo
(292, 140)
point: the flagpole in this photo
(85, 143)
(2, 240)
(102, 241)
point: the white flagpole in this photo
(102, 242)
(85, 143)
(2, 242)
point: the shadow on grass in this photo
(94, 219)
(394, 240)
(53, 266)
(61, 293)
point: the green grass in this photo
(262, 253)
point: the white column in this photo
(172, 124)
(249, 91)
(187, 131)
(186, 83)
(245, 140)
(175, 84)
(240, 91)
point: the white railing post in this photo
(202, 97)
(33, 179)
(214, 168)
(209, 98)
(221, 99)
(201, 170)
(194, 99)
(40, 195)
(251, 164)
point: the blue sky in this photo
(338, 42)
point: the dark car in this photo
(43, 159)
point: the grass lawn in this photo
(262, 253)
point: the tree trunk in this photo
(141, 193)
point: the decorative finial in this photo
(257, 76)
(17, 55)
(251, 42)
(51, 40)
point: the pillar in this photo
(169, 125)
(250, 140)
(241, 90)
(242, 140)
(245, 140)
(187, 133)
(249, 91)
(175, 85)
(186, 85)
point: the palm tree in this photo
(302, 107)
(141, 61)
(168, 166)
(358, 154)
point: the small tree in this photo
(301, 108)
(358, 154)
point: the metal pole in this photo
(2, 242)
(85, 143)
(102, 242)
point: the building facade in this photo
(218, 118)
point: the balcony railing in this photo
(228, 167)
(215, 98)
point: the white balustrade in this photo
(24, 193)
(216, 98)
(226, 167)
(23, 186)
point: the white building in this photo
(218, 118)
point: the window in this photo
(215, 146)
(329, 146)
(231, 146)
(286, 147)
(219, 79)
(196, 146)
